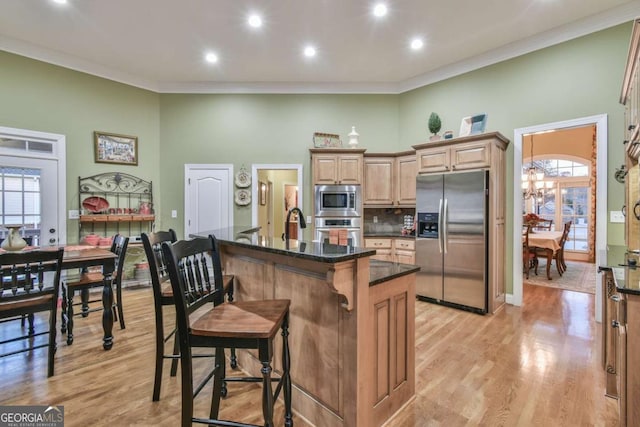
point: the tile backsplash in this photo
(389, 220)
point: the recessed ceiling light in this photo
(255, 21)
(380, 10)
(417, 44)
(309, 51)
(60, 1)
(211, 57)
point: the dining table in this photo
(549, 241)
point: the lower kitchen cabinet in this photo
(392, 249)
(621, 348)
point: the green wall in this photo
(47, 98)
(575, 79)
(247, 129)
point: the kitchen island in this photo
(352, 325)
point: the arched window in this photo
(564, 196)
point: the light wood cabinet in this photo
(475, 152)
(630, 97)
(390, 179)
(379, 185)
(337, 166)
(393, 250)
(461, 156)
(407, 168)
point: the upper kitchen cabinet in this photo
(449, 155)
(390, 179)
(464, 153)
(630, 97)
(337, 166)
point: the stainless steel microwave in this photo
(337, 200)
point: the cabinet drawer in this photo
(406, 244)
(377, 243)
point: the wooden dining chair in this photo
(87, 280)
(239, 324)
(27, 289)
(163, 296)
(544, 225)
(558, 255)
(529, 256)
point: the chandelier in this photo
(533, 184)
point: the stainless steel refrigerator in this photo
(452, 239)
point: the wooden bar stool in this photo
(163, 296)
(240, 324)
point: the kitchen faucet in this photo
(303, 223)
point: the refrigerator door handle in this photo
(445, 225)
(440, 226)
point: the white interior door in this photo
(29, 196)
(208, 198)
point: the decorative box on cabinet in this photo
(390, 179)
(337, 166)
(477, 152)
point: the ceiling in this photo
(160, 44)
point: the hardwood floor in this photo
(529, 366)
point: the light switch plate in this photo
(74, 214)
(308, 219)
(174, 213)
(616, 216)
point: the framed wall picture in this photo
(115, 148)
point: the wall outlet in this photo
(616, 216)
(74, 214)
(375, 219)
(174, 213)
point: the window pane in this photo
(13, 203)
(13, 183)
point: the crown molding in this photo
(75, 63)
(583, 27)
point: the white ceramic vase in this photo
(13, 242)
(353, 137)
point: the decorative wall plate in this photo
(243, 197)
(243, 179)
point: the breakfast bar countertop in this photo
(247, 236)
(627, 278)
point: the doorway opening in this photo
(277, 188)
(600, 122)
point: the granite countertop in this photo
(382, 271)
(627, 278)
(250, 237)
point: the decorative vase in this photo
(435, 137)
(353, 137)
(13, 242)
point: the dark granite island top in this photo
(379, 271)
(250, 237)
(351, 322)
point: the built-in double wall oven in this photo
(338, 207)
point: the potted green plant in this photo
(434, 126)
